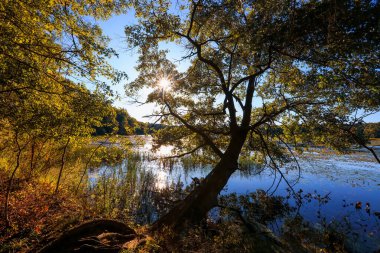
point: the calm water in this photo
(345, 179)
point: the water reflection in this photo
(144, 188)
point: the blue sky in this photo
(127, 60)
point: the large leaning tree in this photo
(306, 67)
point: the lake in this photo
(333, 187)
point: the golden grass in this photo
(375, 141)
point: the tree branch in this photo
(205, 137)
(248, 103)
(267, 117)
(256, 74)
(267, 151)
(184, 154)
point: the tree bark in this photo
(196, 205)
(73, 239)
(62, 164)
(10, 183)
(32, 153)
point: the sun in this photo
(164, 83)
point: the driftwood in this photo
(95, 236)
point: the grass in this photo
(125, 190)
(375, 141)
(35, 211)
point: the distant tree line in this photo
(372, 130)
(121, 123)
(363, 130)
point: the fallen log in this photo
(100, 235)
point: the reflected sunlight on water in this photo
(346, 179)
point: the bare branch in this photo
(213, 65)
(294, 157)
(184, 154)
(256, 74)
(289, 105)
(239, 101)
(195, 5)
(205, 137)
(267, 151)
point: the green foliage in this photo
(121, 123)
(118, 121)
(309, 66)
(372, 130)
(36, 210)
(46, 45)
(44, 113)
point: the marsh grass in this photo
(119, 183)
(375, 141)
(35, 209)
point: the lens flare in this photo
(164, 83)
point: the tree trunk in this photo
(196, 205)
(32, 153)
(62, 164)
(10, 183)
